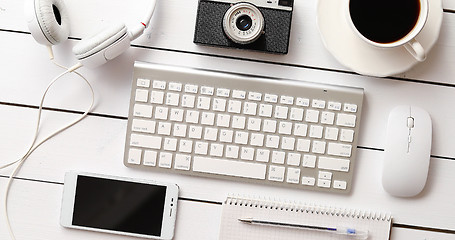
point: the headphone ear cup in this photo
(47, 20)
(102, 47)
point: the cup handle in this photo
(416, 50)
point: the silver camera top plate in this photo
(275, 4)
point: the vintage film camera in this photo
(262, 25)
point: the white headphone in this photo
(48, 22)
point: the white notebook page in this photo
(377, 225)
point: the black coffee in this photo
(384, 21)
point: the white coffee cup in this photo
(408, 41)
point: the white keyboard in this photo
(245, 128)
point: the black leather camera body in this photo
(262, 25)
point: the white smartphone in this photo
(118, 205)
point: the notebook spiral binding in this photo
(307, 208)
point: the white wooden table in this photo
(96, 144)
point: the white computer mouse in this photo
(407, 151)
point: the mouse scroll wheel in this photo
(410, 122)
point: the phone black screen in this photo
(118, 205)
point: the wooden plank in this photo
(112, 88)
(30, 201)
(306, 46)
(96, 145)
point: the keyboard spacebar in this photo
(230, 168)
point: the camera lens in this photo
(244, 23)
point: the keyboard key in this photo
(337, 184)
(249, 108)
(216, 150)
(316, 131)
(161, 113)
(336, 106)
(278, 157)
(285, 128)
(159, 84)
(325, 175)
(195, 132)
(192, 116)
(247, 153)
(303, 102)
(271, 98)
(309, 181)
(338, 149)
(232, 151)
(334, 164)
(331, 133)
(172, 99)
(293, 159)
(182, 162)
(188, 101)
(226, 135)
(254, 124)
(164, 128)
(296, 114)
(142, 111)
(265, 110)
(223, 120)
(219, 105)
(176, 115)
(254, 96)
(303, 145)
(269, 126)
(145, 141)
(262, 155)
(300, 129)
(230, 168)
(272, 141)
(191, 88)
(203, 103)
(142, 95)
(165, 160)
(312, 116)
(145, 126)
(318, 104)
(170, 144)
(287, 100)
(238, 122)
(309, 161)
(134, 156)
(157, 97)
(241, 137)
(179, 130)
(201, 148)
(347, 135)
(257, 140)
(211, 134)
(150, 158)
(208, 118)
(293, 175)
(177, 87)
(141, 82)
(287, 143)
(281, 112)
(276, 173)
(346, 120)
(234, 106)
(324, 183)
(207, 90)
(350, 108)
(327, 118)
(318, 147)
(185, 146)
(223, 92)
(238, 94)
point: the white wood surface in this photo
(96, 144)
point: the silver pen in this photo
(339, 230)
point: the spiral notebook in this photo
(234, 208)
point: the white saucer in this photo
(363, 58)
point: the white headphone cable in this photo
(33, 147)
